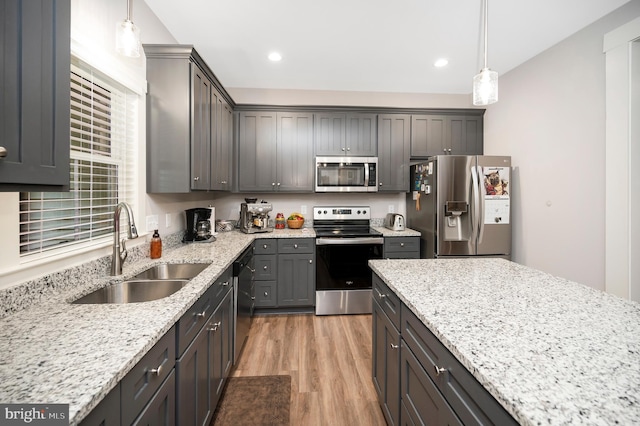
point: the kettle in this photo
(394, 221)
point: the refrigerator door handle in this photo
(481, 198)
(475, 189)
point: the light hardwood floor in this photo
(328, 359)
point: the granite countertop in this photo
(550, 351)
(390, 233)
(57, 352)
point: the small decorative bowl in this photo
(295, 224)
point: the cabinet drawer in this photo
(472, 403)
(296, 245)
(387, 299)
(266, 246)
(265, 294)
(194, 319)
(402, 244)
(139, 385)
(266, 267)
(222, 285)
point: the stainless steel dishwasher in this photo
(243, 272)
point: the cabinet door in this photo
(386, 364)
(220, 328)
(107, 413)
(221, 145)
(202, 105)
(465, 135)
(330, 134)
(362, 137)
(162, 407)
(35, 95)
(424, 403)
(193, 388)
(257, 151)
(295, 161)
(296, 280)
(428, 135)
(393, 152)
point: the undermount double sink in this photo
(155, 283)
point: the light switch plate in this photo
(167, 219)
(152, 222)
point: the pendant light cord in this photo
(486, 30)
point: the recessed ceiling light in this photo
(275, 56)
(440, 63)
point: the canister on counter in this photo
(280, 222)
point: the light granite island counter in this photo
(549, 350)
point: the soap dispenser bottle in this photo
(155, 251)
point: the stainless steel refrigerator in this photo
(461, 204)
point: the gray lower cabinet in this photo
(188, 124)
(35, 95)
(394, 138)
(386, 364)
(138, 387)
(161, 410)
(275, 152)
(202, 368)
(444, 134)
(427, 384)
(107, 413)
(345, 134)
(285, 272)
(401, 248)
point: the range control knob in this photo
(364, 212)
(358, 212)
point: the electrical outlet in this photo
(167, 220)
(303, 209)
(152, 222)
(392, 208)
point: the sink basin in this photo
(172, 271)
(133, 291)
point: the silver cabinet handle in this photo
(215, 326)
(266, 293)
(401, 244)
(380, 184)
(380, 295)
(310, 260)
(439, 370)
(264, 267)
(225, 284)
(273, 184)
(278, 183)
(343, 149)
(394, 346)
(197, 178)
(295, 246)
(252, 270)
(201, 314)
(3, 152)
(156, 371)
(253, 298)
(264, 246)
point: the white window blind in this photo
(103, 157)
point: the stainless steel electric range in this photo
(345, 242)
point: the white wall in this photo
(551, 119)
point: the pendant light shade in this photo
(485, 84)
(128, 36)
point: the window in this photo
(103, 157)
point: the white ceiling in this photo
(369, 45)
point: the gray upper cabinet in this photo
(393, 152)
(444, 134)
(188, 123)
(345, 134)
(35, 95)
(275, 152)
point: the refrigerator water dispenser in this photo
(454, 222)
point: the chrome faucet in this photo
(120, 254)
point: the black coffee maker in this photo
(198, 226)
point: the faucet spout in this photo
(120, 253)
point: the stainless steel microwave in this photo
(346, 174)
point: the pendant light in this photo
(128, 36)
(485, 84)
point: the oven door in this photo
(343, 277)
